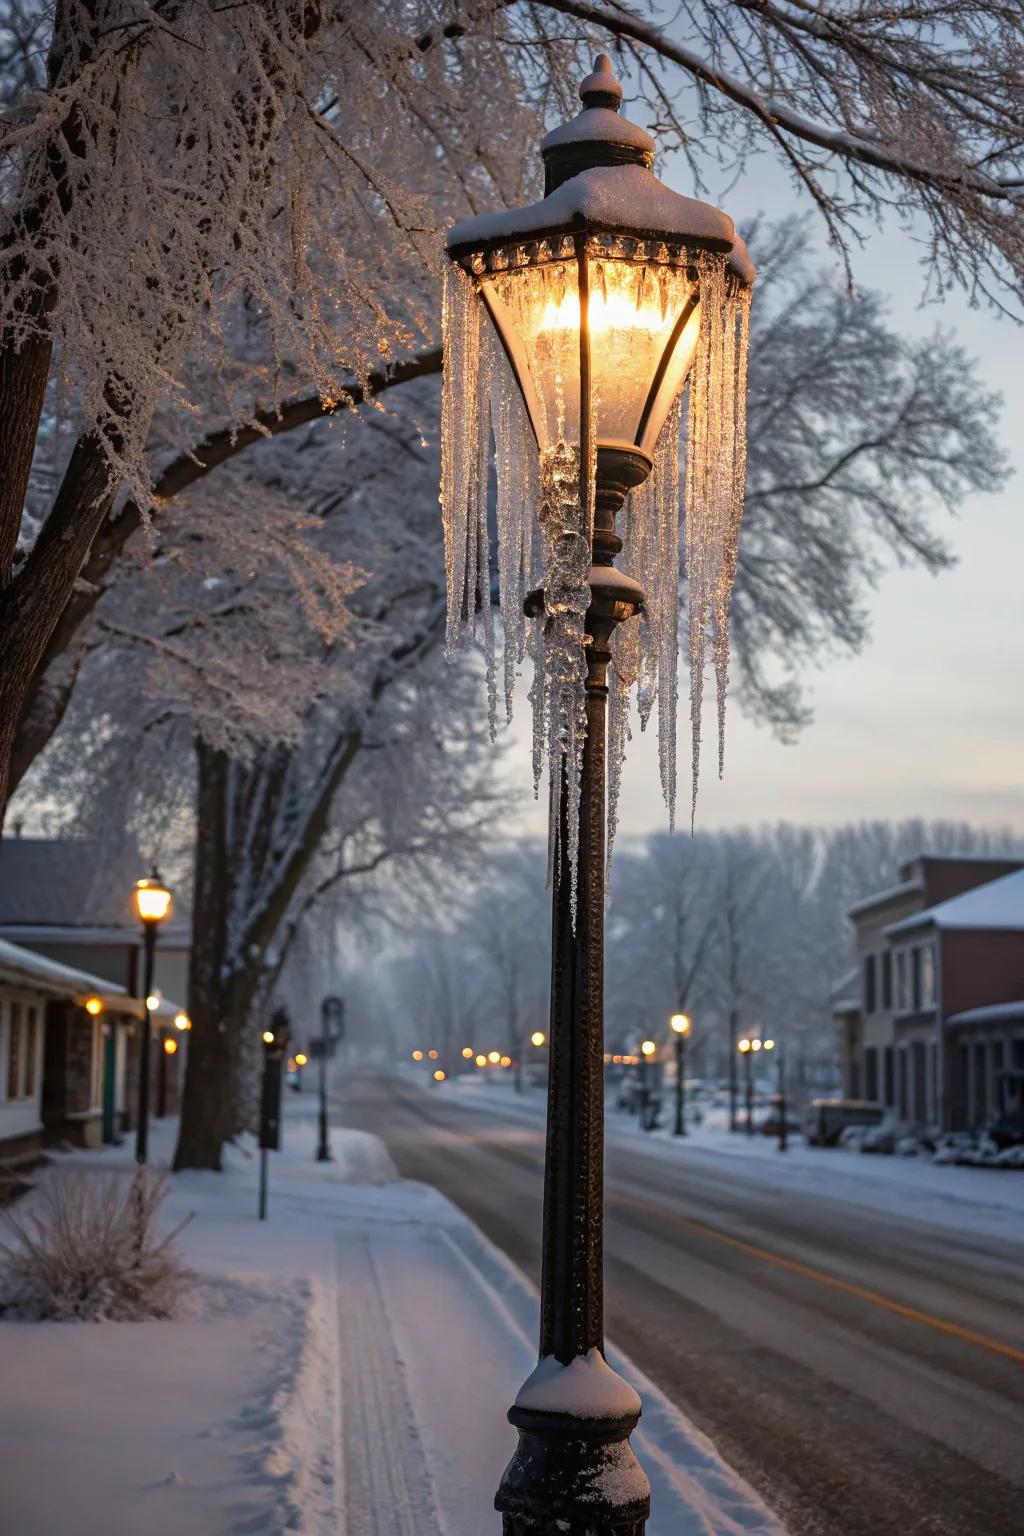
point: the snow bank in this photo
(344, 1366)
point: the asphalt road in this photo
(865, 1374)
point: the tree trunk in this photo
(23, 376)
(220, 995)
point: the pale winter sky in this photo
(929, 719)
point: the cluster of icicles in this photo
(544, 530)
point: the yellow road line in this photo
(939, 1324)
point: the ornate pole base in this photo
(573, 1477)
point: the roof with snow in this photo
(71, 888)
(997, 905)
(993, 1013)
(880, 898)
(25, 968)
(64, 980)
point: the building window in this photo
(871, 1073)
(15, 1051)
(890, 1083)
(915, 977)
(902, 982)
(31, 1044)
(887, 980)
(22, 1036)
(903, 1063)
(869, 984)
(96, 1066)
(927, 975)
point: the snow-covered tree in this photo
(264, 240)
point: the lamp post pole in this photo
(152, 902)
(780, 1090)
(148, 964)
(571, 1473)
(750, 1093)
(680, 1023)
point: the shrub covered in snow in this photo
(88, 1248)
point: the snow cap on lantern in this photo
(603, 298)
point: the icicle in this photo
(516, 473)
(460, 318)
(734, 428)
(666, 618)
(545, 514)
(566, 600)
(705, 491)
(618, 738)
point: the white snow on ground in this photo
(344, 1369)
(985, 1201)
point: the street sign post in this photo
(275, 1047)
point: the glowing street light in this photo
(182, 1021)
(153, 903)
(432, 1055)
(494, 1057)
(467, 1052)
(170, 1045)
(94, 1006)
(680, 1025)
(268, 1037)
(439, 1076)
(649, 1048)
(417, 1055)
(301, 1059)
(481, 1061)
(538, 1038)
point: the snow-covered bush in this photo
(88, 1248)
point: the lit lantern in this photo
(152, 899)
(571, 328)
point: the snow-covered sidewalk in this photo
(984, 1201)
(344, 1368)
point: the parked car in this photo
(826, 1119)
(1007, 1129)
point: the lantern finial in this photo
(601, 89)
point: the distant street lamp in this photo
(744, 1048)
(648, 1050)
(601, 295)
(780, 1093)
(538, 1038)
(680, 1023)
(152, 901)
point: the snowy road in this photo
(864, 1372)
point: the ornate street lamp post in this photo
(680, 1023)
(152, 902)
(601, 300)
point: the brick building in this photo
(937, 953)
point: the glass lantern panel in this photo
(545, 356)
(636, 344)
